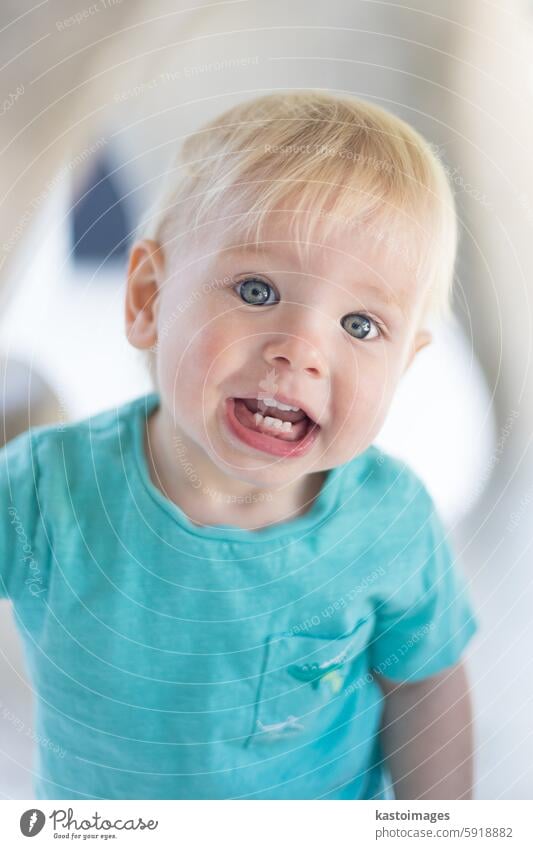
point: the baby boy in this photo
(224, 589)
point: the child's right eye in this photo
(254, 291)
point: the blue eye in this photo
(255, 291)
(359, 326)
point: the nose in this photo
(293, 351)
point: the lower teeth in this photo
(273, 423)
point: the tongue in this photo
(285, 415)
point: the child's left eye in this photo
(256, 289)
(358, 325)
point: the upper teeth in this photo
(271, 402)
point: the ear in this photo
(144, 277)
(422, 338)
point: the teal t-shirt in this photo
(173, 661)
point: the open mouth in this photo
(282, 424)
(279, 432)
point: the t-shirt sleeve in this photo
(426, 617)
(19, 565)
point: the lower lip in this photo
(266, 443)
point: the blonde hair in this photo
(333, 161)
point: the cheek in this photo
(211, 347)
(194, 352)
(366, 390)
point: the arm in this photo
(426, 735)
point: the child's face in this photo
(336, 333)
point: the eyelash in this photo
(375, 322)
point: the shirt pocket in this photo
(303, 676)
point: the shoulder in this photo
(393, 511)
(50, 477)
(57, 459)
(19, 482)
(19, 469)
(104, 431)
(391, 486)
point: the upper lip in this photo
(283, 399)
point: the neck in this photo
(182, 471)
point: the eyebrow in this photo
(387, 296)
